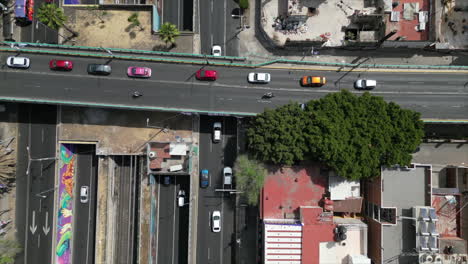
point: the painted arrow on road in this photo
(33, 227)
(46, 228)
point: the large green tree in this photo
(250, 176)
(53, 16)
(169, 33)
(354, 135)
(277, 135)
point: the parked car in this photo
(365, 84)
(204, 178)
(181, 198)
(166, 180)
(259, 77)
(139, 72)
(227, 175)
(206, 75)
(216, 221)
(217, 132)
(99, 69)
(64, 65)
(18, 62)
(313, 81)
(216, 50)
(84, 192)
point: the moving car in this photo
(139, 72)
(84, 192)
(206, 75)
(64, 65)
(216, 221)
(259, 77)
(99, 69)
(216, 132)
(17, 62)
(227, 175)
(204, 178)
(313, 81)
(166, 180)
(181, 198)
(216, 50)
(365, 84)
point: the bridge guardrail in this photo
(149, 52)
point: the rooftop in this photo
(410, 19)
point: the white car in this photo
(365, 84)
(84, 193)
(227, 175)
(216, 50)
(216, 221)
(181, 198)
(17, 62)
(217, 132)
(259, 77)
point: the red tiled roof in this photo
(406, 28)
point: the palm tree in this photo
(53, 16)
(168, 33)
(7, 166)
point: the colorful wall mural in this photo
(65, 206)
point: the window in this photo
(376, 213)
(388, 216)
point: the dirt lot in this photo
(110, 28)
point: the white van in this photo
(227, 175)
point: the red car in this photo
(139, 72)
(64, 65)
(206, 75)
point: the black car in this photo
(167, 180)
(99, 69)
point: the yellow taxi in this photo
(313, 81)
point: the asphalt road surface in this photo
(173, 221)
(85, 213)
(126, 177)
(179, 13)
(173, 86)
(35, 190)
(218, 27)
(216, 247)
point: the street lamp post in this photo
(30, 160)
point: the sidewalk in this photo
(258, 48)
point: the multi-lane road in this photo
(174, 87)
(216, 247)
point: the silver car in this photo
(365, 84)
(84, 193)
(18, 62)
(99, 69)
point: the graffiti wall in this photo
(65, 206)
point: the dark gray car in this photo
(99, 69)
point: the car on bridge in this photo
(64, 65)
(206, 75)
(313, 81)
(139, 72)
(365, 84)
(18, 62)
(259, 77)
(99, 69)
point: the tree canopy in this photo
(354, 135)
(52, 16)
(250, 176)
(169, 33)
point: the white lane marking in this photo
(46, 227)
(33, 226)
(225, 28)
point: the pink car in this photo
(139, 72)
